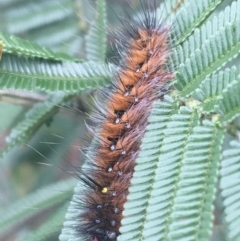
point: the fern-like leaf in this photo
(96, 38)
(230, 189)
(32, 74)
(212, 88)
(18, 46)
(229, 105)
(209, 29)
(34, 15)
(35, 203)
(34, 118)
(50, 228)
(208, 50)
(190, 16)
(192, 213)
(155, 180)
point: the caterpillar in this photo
(140, 79)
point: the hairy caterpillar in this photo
(185, 210)
(121, 122)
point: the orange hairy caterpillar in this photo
(122, 120)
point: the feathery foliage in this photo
(34, 118)
(229, 105)
(209, 48)
(31, 205)
(211, 90)
(36, 74)
(230, 185)
(17, 46)
(173, 193)
(50, 228)
(49, 23)
(191, 14)
(96, 38)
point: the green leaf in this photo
(53, 24)
(96, 38)
(34, 118)
(190, 16)
(208, 50)
(230, 189)
(156, 176)
(192, 208)
(51, 227)
(212, 88)
(34, 15)
(209, 29)
(32, 74)
(229, 105)
(33, 204)
(18, 46)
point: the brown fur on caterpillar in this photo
(122, 121)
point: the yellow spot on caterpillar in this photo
(105, 190)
